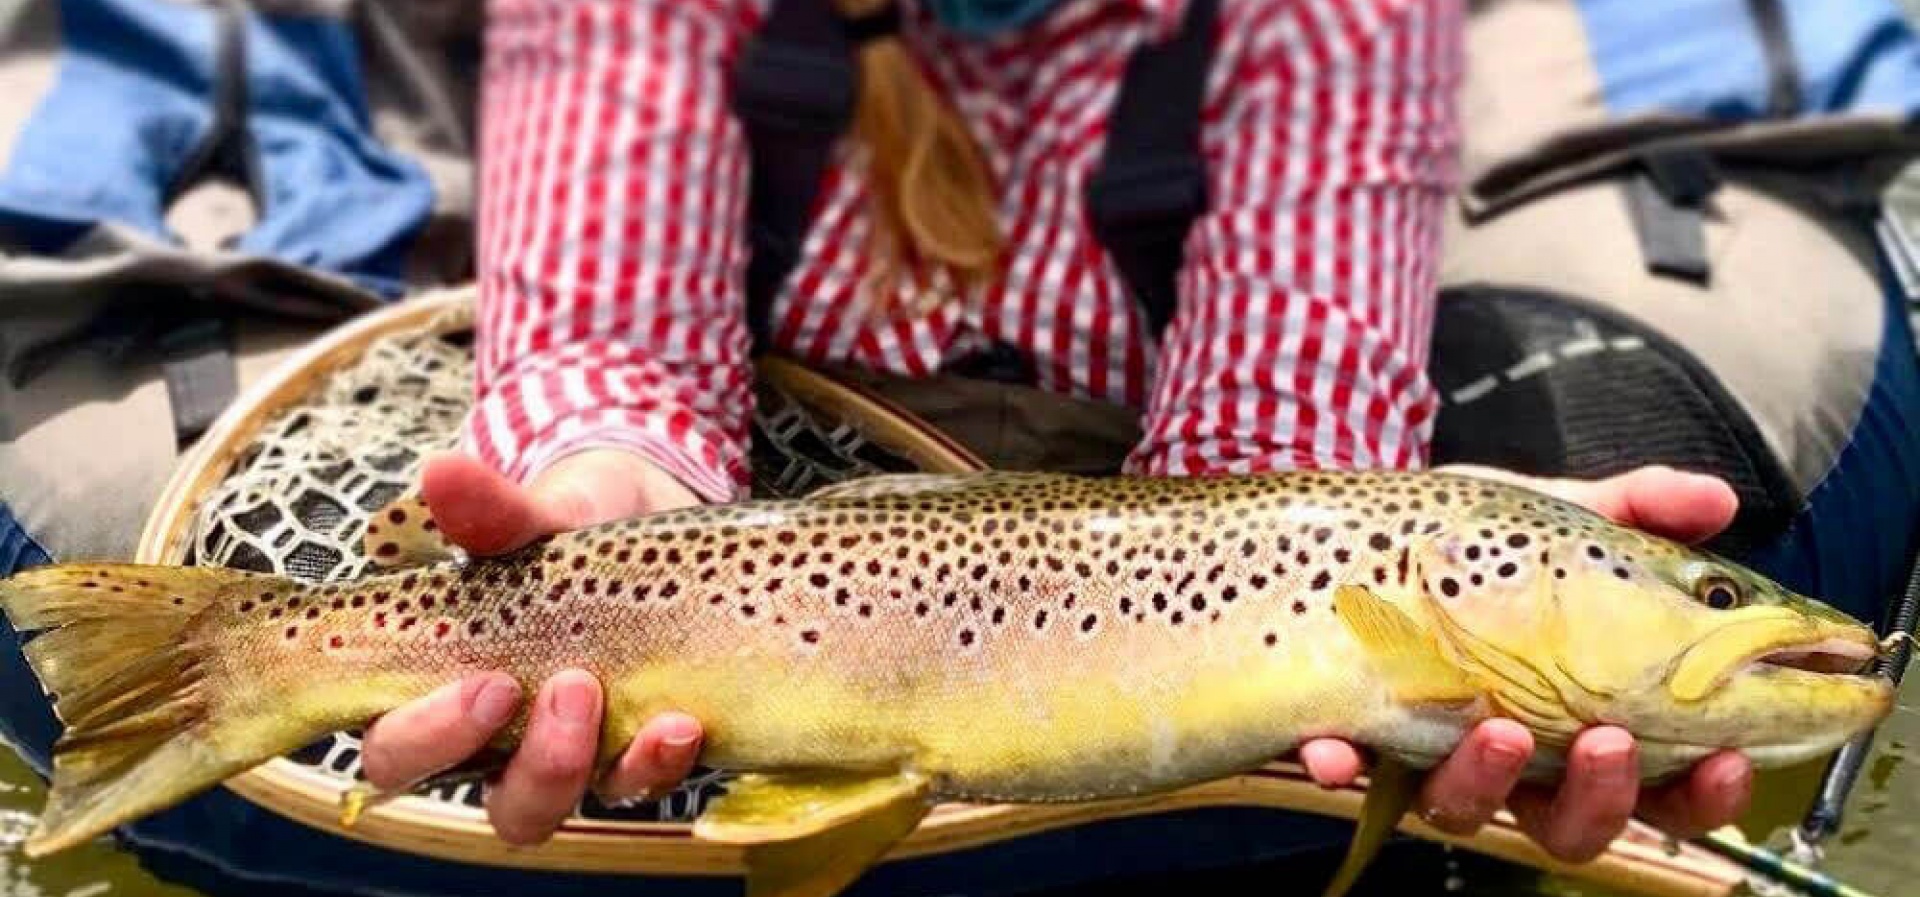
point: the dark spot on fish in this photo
(1473, 552)
(1322, 534)
(966, 637)
(1272, 639)
(397, 516)
(1518, 540)
(1621, 572)
(292, 631)
(1449, 587)
(1477, 580)
(1321, 580)
(1088, 622)
(810, 636)
(1299, 607)
(1379, 542)
(1596, 552)
(387, 550)
(1507, 569)
(1342, 555)
(579, 562)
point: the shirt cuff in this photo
(525, 426)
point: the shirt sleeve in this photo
(1307, 297)
(611, 239)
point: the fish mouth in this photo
(1772, 644)
(1833, 655)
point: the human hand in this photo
(1600, 791)
(485, 513)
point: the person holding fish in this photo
(617, 307)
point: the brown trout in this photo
(893, 642)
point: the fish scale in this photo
(1009, 637)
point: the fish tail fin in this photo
(122, 650)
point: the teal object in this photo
(986, 18)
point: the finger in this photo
(659, 757)
(546, 777)
(1684, 506)
(1467, 788)
(480, 510)
(1593, 803)
(438, 731)
(1331, 762)
(1713, 794)
(1688, 507)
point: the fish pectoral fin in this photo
(811, 835)
(1405, 656)
(1391, 786)
(403, 534)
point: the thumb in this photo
(479, 509)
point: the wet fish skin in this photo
(1004, 637)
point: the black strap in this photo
(1667, 200)
(794, 92)
(1152, 180)
(1784, 97)
(197, 364)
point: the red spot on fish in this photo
(387, 550)
(442, 629)
(336, 642)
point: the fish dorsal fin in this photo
(403, 534)
(898, 484)
(813, 834)
(1404, 655)
(1390, 789)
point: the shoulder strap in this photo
(1152, 181)
(794, 92)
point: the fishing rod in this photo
(1823, 820)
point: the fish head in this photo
(1569, 620)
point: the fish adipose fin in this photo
(1390, 789)
(813, 834)
(121, 655)
(1404, 656)
(403, 534)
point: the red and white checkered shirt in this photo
(612, 249)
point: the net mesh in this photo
(296, 500)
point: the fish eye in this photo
(1720, 593)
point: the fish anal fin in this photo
(403, 534)
(811, 835)
(1391, 786)
(1404, 655)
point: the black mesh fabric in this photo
(1547, 385)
